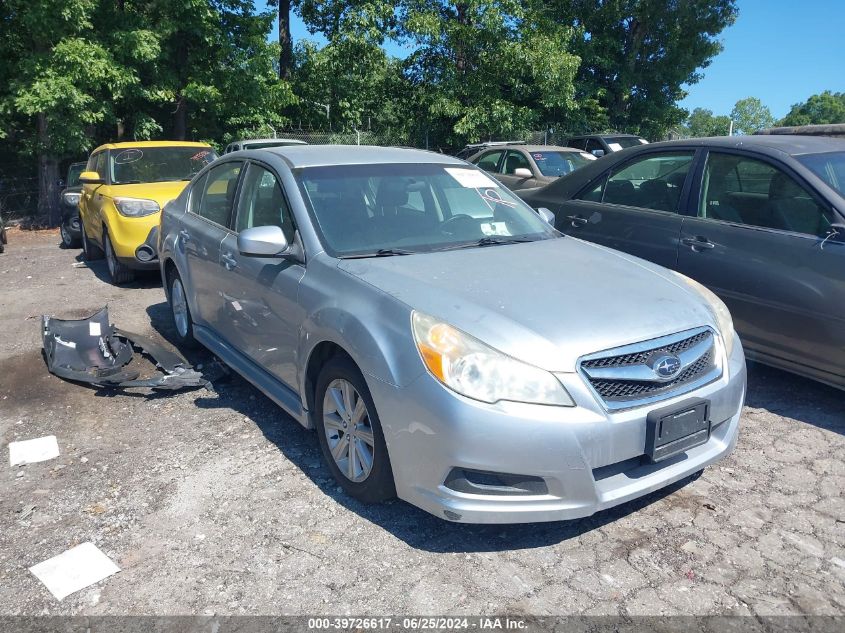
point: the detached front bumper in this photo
(558, 462)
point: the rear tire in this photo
(120, 273)
(180, 311)
(350, 433)
(68, 241)
(90, 251)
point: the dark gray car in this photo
(521, 166)
(759, 220)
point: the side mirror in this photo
(523, 172)
(598, 153)
(837, 232)
(90, 178)
(546, 215)
(263, 241)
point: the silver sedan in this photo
(447, 344)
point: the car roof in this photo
(550, 148)
(792, 145)
(138, 144)
(606, 135)
(322, 155)
(292, 141)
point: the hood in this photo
(546, 303)
(161, 192)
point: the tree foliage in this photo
(750, 115)
(825, 108)
(702, 122)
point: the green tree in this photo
(825, 108)
(701, 122)
(637, 55)
(750, 115)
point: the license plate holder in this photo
(673, 430)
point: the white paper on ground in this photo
(31, 451)
(75, 569)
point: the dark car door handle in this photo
(184, 235)
(577, 220)
(698, 244)
(228, 261)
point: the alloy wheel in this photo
(349, 434)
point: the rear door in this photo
(260, 293)
(635, 208)
(758, 241)
(205, 226)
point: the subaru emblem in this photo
(666, 366)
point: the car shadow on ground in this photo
(792, 396)
(143, 278)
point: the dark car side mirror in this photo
(598, 153)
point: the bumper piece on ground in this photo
(93, 351)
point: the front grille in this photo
(626, 376)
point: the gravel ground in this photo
(220, 504)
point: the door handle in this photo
(698, 243)
(184, 235)
(577, 220)
(228, 261)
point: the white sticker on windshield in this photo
(495, 228)
(614, 147)
(470, 178)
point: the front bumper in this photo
(128, 234)
(589, 459)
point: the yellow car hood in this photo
(161, 192)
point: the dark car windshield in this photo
(157, 164)
(623, 142)
(560, 163)
(382, 209)
(73, 174)
(829, 166)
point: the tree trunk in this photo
(180, 120)
(285, 41)
(48, 176)
(460, 53)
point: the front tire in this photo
(350, 433)
(68, 241)
(180, 311)
(120, 273)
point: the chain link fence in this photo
(18, 197)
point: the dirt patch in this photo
(26, 385)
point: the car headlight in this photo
(71, 198)
(473, 369)
(136, 207)
(720, 311)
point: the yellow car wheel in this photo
(119, 273)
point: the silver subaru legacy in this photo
(448, 345)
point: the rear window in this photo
(560, 163)
(830, 167)
(621, 142)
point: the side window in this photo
(653, 182)
(593, 144)
(578, 143)
(196, 194)
(753, 192)
(219, 193)
(262, 202)
(100, 166)
(490, 161)
(514, 161)
(91, 165)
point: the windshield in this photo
(560, 163)
(370, 210)
(157, 164)
(621, 142)
(830, 167)
(73, 174)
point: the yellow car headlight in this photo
(136, 207)
(475, 370)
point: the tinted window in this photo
(158, 164)
(196, 194)
(753, 192)
(560, 163)
(593, 144)
(830, 167)
(100, 165)
(579, 143)
(219, 192)
(514, 161)
(262, 202)
(652, 182)
(490, 161)
(360, 209)
(621, 142)
(73, 174)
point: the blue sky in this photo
(781, 51)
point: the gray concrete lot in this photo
(219, 503)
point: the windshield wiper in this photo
(382, 252)
(491, 240)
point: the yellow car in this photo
(124, 188)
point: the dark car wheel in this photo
(350, 432)
(68, 240)
(180, 311)
(119, 273)
(90, 251)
